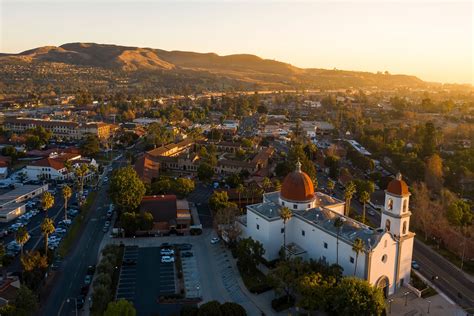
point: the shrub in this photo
(283, 303)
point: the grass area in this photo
(255, 281)
(76, 226)
(447, 254)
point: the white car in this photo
(215, 240)
(167, 259)
(167, 252)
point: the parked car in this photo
(187, 254)
(80, 302)
(371, 212)
(215, 240)
(165, 245)
(91, 270)
(184, 246)
(88, 279)
(167, 259)
(167, 252)
(415, 265)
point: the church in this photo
(311, 234)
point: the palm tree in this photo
(331, 185)
(81, 173)
(357, 247)
(348, 193)
(67, 193)
(364, 199)
(285, 215)
(47, 201)
(47, 228)
(266, 184)
(338, 222)
(240, 189)
(22, 237)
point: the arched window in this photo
(390, 204)
(405, 206)
(387, 225)
(404, 230)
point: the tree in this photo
(101, 297)
(249, 253)
(33, 142)
(129, 223)
(285, 276)
(211, 308)
(459, 214)
(121, 307)
(183, 186)
(205, 172)
(332, 162)
(331, 185)
(126, 189)
(34, 267)
(90, 146)
(225, 222)
(424, 210)
(146, 221)
(232, 309)
(348, 193)
(354, 296)
(428, 146)
(315, 291)
(266, 184)
(285, 215)
(434, 173)
(47, 228)
(47, 201)
(22, 237)
(67, 193)
(338, 222)
(81, 172)
(364, 199)
(26, 302)
(219, 201)
(240, 189)
(357, 247)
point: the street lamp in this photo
(390, 305)
(406, 298)
(75, 300)
(429, 304)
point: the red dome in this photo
(297, 187)
(397, 186)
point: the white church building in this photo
(310, 233)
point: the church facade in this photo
(385, 260)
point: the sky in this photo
(430, 39)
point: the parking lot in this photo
(144, 278)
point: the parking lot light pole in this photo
(390, 305)
(75, 300)
(429, 304)
(406, 298)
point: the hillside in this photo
(90, 65)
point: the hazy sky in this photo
(433, 40)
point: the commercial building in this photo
(60, 128)
(12, 204)
(311, 233)
(170, 215)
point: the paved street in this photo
(70, 276)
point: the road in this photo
(72, 271)
(450, 281)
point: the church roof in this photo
(397, 186)
(297, 186)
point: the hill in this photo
(102, 65)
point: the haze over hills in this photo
(98, 65)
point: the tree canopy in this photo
(126, 188)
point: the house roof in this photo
(162, 207)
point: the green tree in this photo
(338, 223)
(126, 189)
(146, 221)
(249, 253)
(219, 201)
(315, 291)
(67, 193)
(81, 172)
(354, 296)
(183, 186)
(459, 214)
(285, 215)
(211, 308)
(47, 228)
(357, 247)
(33, 142)
(129, 222)
(331, 185)
(232, 309)
(364, 199)
(332, 162)
(428, 146)
(26, 302)
(21, 237)
(121, 307)
(101, 298)
(348, 193)
(205, 172)
(162, 186)
(240, 189)
(90, 146)
(47, 201)
(285, 277)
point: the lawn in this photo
(76, 226)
